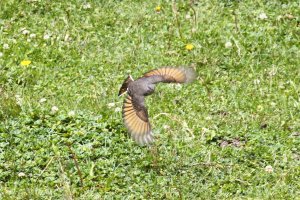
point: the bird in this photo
(134, 111)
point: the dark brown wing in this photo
(136, 120)
(173, 75)
(124, 86)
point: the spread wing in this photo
(173, 75)
(135, 117)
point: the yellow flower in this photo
(189, 47)
(157, 8)
(25, 63)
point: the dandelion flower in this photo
(189, 47)
(158, 8)
(25, 63)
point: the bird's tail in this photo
(124, 86)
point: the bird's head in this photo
(125, 84)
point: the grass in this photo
(215, 138)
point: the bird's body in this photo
(143, 86)
(135, 114)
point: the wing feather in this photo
(136, 120)
(173, 75)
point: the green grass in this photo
(214, 137)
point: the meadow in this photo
(234, 133)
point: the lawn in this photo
(234, 133)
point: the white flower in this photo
(205, 130)
(166, 127)
(208, 118)
(25, 32)
(1, 54)
(110, 105)
(263, 16)
(5, 46)
(42, 100)
(28, 40)
(46, 36)
(273, 71)
(32, 35)
(71, 113)
(178, 86)
(279, 17)
(117, 109)
(21, 174)
(19, 100)
(256, 82)
(269, 169)
(86, 6)
(260, 108)
(228, 45)
(187, 16)
(54, 109)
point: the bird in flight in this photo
(135, 114)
